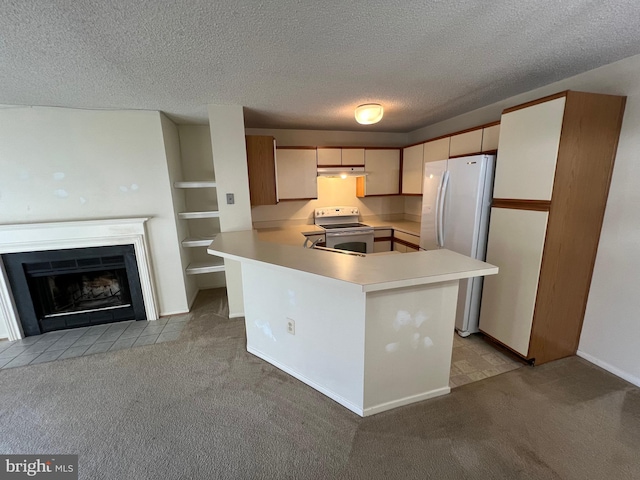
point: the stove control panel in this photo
(336, 212)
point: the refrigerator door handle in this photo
(441, 205)
(437, 215)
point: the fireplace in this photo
(69, 288)
(76, 236)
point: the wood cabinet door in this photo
(528, 150)
(515, 246)
(261, 169)
(383, 169)
(436, 150)
(297, 174)
(412, 161)
(466, 143)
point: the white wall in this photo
(611, 331)
(226, 124)
(63, 164)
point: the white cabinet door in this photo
(383, 168)
(353, 157)
(466, 143)
(528, 150)
(329, 156)
(296, 171)
(515, 246)
(490, 136)
(412, 161)
(436, 150)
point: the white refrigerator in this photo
(456, 203)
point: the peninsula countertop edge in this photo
(371, 273)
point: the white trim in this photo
(236, 315)
(332, 395)
(610, 368)
(383, 407)
(77, 234)
(8, 310)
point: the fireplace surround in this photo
(127, 234)
(75, 287)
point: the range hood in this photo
(341, 172)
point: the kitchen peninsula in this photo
(371, 332)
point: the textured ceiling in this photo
(301, 63)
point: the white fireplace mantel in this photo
(35, 237)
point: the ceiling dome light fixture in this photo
(369, 113)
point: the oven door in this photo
(361, 242)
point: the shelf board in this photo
(198, 241)
(201, 184)
(216, 264)
(206, 214)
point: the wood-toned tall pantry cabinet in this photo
(553, 170)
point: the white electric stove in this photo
(343, 231)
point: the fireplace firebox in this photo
(69, 288)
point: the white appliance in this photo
(456, 203)
(342, 229)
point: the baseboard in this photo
(236, 315)
(610, 368)
(332, 395)
(383, 407)
(167, 314)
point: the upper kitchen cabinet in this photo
(528, 151)
(490, 138)
(555, 160)
(353, 157)
(336, 156)
(466, 143)
(436, 150)
(296, 171)
(262, 169)
(329, 157)
(412, 162)
(383, 173)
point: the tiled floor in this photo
(88, 340)
(474, 358)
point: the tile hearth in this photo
(88, 340)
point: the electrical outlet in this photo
(230, 199)
(291, 326)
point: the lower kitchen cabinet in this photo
(296, 172)
(405, 242)
(382, 240)
(515, 246)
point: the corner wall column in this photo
(230, 166)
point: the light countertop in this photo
(372, 273)
(288, 235)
